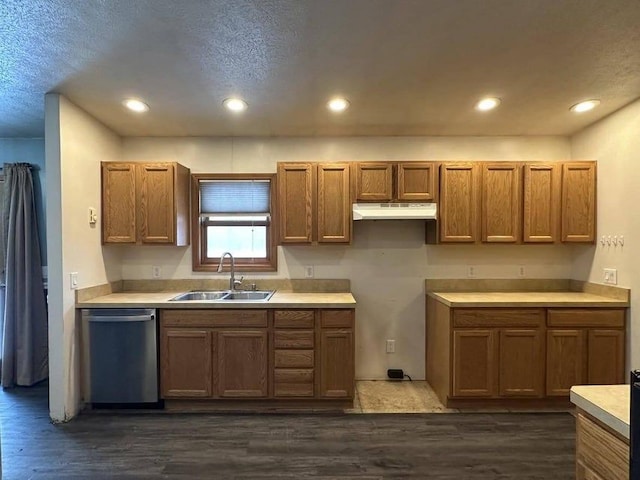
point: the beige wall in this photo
(75, 145)
(615, 143)
(388, 260)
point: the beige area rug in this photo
(384, 396)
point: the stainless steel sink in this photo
(225, 296)
(249, 295)
(194, 296)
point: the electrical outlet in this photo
(391, 346)
(308, 271)
(521, 271)
(471, 271)
(73, 280)
(611, 276)
(156, 271)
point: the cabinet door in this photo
(521, 363)
(156, 202)
(295, 201)
(242, 363)
(374, 181)
(417, 181)
(336, 363)
(565, 360)
(334, 203)
(185, 363)
(541, 203)
(459, 186)
(474, 363)
(501, 214)
(118, 203)
(605, 357)
(578, 202)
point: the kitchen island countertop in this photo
(608, 403)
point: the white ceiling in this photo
(409, 67)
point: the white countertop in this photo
(608, 403)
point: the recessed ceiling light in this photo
(488, 103)
(235, 104)
(135, 105)
(338, 104)
(585, 106)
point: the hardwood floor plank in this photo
(476, 446)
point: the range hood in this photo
(394, 211)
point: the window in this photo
(234, 213)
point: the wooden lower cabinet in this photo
(244, 354)
(514, 354)
(474, 363)
(242, 363)
(601, 454)
(565, 360)
(521, 361)
(186, 363)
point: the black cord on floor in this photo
(408, 377)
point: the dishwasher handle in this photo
(122, 318)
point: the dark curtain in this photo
(24, 331)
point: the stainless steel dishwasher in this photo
(121, 355)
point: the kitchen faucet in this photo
(232, 280)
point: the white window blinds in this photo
(234, 196)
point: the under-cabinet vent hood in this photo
(394, 211)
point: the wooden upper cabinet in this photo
(373, 181)
(118, 203)
(314, 202)
(417, 181)
(501, 214)
(578, 202)
(541, 202)
(334, 203)
(145, 203)
(295, 200)
(155, 200)
(459, 202)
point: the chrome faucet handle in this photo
(238, 282)
(253, 286)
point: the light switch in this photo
(93, 216)
(73, 280)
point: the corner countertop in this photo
(526, 299)
(280, 299)
(608, 403)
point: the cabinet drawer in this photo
(336, 318)
(290, 382)
(585, 317)
(293, 339)
(498, 317)
(214, 318)
(293, 358)
(293, 375)
(293, 318)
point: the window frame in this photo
(200, 263)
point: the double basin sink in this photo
(225, 296)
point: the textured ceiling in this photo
(409, 67)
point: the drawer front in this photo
(293, 375)
(293, 339)
(294, 358)
(498, 317)
(214, 318)
(336, 318)
(294, 318)
(293, 390)
(586, 317)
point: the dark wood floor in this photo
(195, 446)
